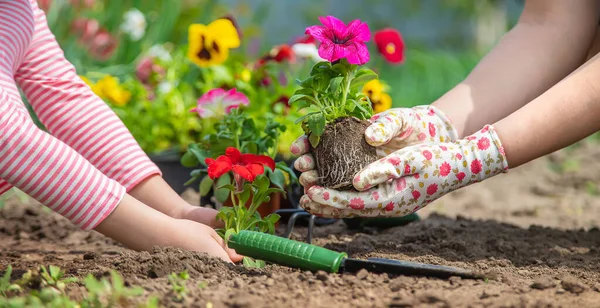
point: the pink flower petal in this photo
(333, 23)
(358, 53)
(359, 29)
(318, 32)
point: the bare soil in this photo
(534, 230)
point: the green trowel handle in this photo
(287, 252)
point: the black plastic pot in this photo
(173, 172)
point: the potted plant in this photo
(249, 190)
(338, 109)
(235, 129)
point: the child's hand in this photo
(412, 177)
(202, 215)
(141, 227)
(202, 238)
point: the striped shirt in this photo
(82, 167)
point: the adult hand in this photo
(410, 178)
(390, 130)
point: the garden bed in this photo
(551, 264)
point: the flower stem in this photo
(347, 81)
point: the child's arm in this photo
(75, 115)
(550, 40)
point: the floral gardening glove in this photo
(391, 130)
(410, 178)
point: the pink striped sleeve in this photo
(50, 171)
(74, 114)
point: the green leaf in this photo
(228, 234)
(277, 178)
(205, 185)
(316, 124)
(307, 83)
(300, 97)
(360, 107)
(222, 194)
(320, 67)
(300, 119)
(245, 194)
(227, 186)
(362, 77)
(335, 84)
(273, 218)
(189, 160)
(314, 140)
(200, 154)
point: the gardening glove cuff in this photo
(401, 127)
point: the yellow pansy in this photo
(109, 88)
(209, 45)
(373, 89)
(380, 100)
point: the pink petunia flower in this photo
(339, 40)
(218, 102)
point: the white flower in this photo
(164, 87)
(159, 51)
(303, 50)
(134, 24)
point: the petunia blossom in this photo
(218, 102)
(246, 166)
(339, 40)
(390, 45)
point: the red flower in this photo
(476, 166)
(281, 53)
(445, 169)
(427, 155)
(460, 176)
(421, 136)
(247, 166)
(390, 45)
(483, 143)
(357, 204)
(458, 156)
(306, 39)
(432, 189)
(416, 194)
(431, 129)
(326, 196)
(406, 169)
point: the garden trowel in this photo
(305, 256)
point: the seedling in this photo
(5, 285)
(178, 286)
(54, 277)
(105, 293)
